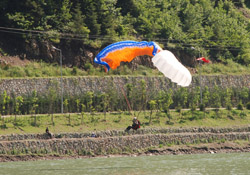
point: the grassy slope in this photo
(41, 69)
(119, 121)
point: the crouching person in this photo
(49, 134)
(136, 125)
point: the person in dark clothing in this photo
(94, 134)
(48, 133)
(136, 125)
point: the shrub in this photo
(248, 105)
(202, 107)
(229, 107)
(243, 115)
(230, 117)
(74, 70)
(240, 106)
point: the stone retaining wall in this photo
(80, 85)
(114, 133)
(112, 145)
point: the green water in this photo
(216, 164)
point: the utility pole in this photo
(200, 80)
(61, 76)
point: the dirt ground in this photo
(13, 61)
(209, 148)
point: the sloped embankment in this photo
(141, 142)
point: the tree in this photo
(129, 95)
(152, 105)
(66, 107)
(108, 17)
(216, 98)
(64, 16)
(193, 20)
(18, 104)
(52, 95)
(34, 106)
(128, 7)
(89, 101)
(167, 100)
(143, 94)
(205, 96)
(140, 96)
(90, 11)
(83, 107)
(227, 99)
(194, 98)
(115, 101)
(244, 95)
(77, 24)
(104, 103)
(181, 97)
(5, 100)
(244, 54)
(77, 101)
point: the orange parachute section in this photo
(126, 55)
(125, 51)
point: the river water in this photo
(215, 164)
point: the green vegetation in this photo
(139, 100)
(120, 120)
(227, 68)
(42, 69)
(217, 29)
(38, 69)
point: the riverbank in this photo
(119, 143)
(209, 148)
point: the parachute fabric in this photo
(166, 62)
(112, 55)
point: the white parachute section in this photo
(167, 63)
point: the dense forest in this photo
(217, 29)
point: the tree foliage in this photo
(218, 27)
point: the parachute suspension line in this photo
(124, 94)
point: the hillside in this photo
(217, 29)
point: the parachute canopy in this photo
(126, 51)
(112, 55)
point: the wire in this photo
(90, 36)
(70, 36)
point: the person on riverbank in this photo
(136, 125)
(48, 133)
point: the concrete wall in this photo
(80, 85)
